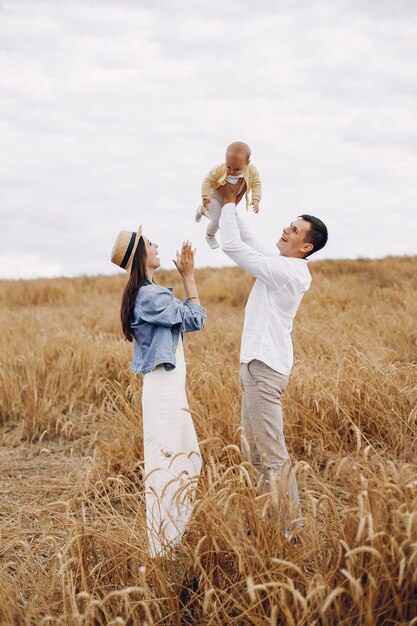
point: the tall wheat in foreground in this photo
(72, 525)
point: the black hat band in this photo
(128, 251)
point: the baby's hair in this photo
(239, 148)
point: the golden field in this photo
(73, 543)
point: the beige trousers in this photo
(262, 423)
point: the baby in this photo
(237, 170)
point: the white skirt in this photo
(171, 453)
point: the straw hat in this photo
(125, 247)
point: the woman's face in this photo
(152, 261)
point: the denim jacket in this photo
(158, 318)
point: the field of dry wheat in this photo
(73, 544)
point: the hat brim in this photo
(130, 261)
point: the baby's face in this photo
(235, 164)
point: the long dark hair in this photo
(136, 279)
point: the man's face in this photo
(293, 241)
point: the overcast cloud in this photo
(112, 112)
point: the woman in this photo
(155, 320)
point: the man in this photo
(266, 356)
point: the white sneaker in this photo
(198, 213)
(212, 242)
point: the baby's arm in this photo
(209, 183)
(205, 189)
(256, 189)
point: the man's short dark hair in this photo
(318, 233)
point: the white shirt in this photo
(280, 285)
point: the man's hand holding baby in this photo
(228, 193)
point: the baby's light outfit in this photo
(216, 178)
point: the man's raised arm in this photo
(271, 270)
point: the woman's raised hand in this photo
(185, 260)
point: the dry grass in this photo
(72, 515)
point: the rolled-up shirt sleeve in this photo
(273, 271)
(163, 309)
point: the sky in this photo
(112, 112)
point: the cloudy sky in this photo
(111, 112)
